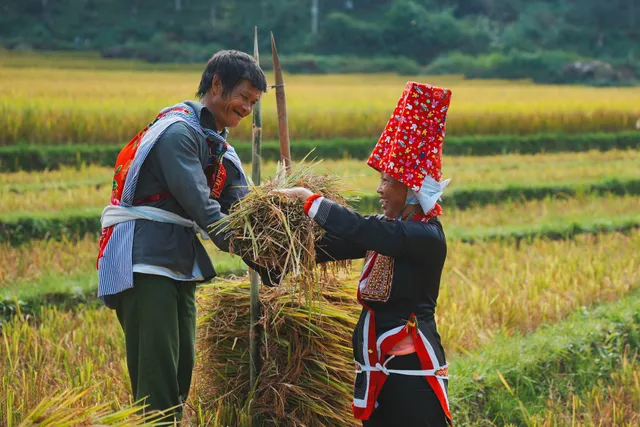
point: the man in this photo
(177, 176)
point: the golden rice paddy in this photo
(58, 105)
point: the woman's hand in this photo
(300, 193)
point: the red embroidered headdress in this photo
(410, 148)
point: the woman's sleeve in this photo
(333, 248)
(391, 238)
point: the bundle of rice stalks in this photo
(307, 370)
(273, 229)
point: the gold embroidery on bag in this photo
(378, 286)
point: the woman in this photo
(401, 368)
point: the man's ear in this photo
(216, 85)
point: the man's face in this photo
(229, 109)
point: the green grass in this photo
(613, 400)
(554, 230)
(19, 228)
(569, 357)
(47, 156)
(464, 170)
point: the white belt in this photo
(413, 372)
(114, 214)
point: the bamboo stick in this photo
(281, 103)
(254, 304)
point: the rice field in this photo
(485, 289)
(53, 105)
(497, 287)
(490, 289)
(23, 265)
(613, 402)
(88, 187)
(80, 353)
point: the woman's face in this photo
(393, 195)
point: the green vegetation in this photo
(477, 38)
(17, 229)
(511, 380)
(40, 157)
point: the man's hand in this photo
(271, 277)
(300, 193)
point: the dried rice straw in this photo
(307, 370)
(274, 231)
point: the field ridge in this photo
(52, 156)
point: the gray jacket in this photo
(176, 165)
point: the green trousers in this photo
(158, 316)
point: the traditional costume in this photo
(161, 192)
(401, 370)
(172, 181)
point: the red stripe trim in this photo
(427, 363)
(376, 378)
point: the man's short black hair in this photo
(231, 66)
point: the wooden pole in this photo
(256, 157)
(255, 363)
(281, 103)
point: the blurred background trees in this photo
(545, 40)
